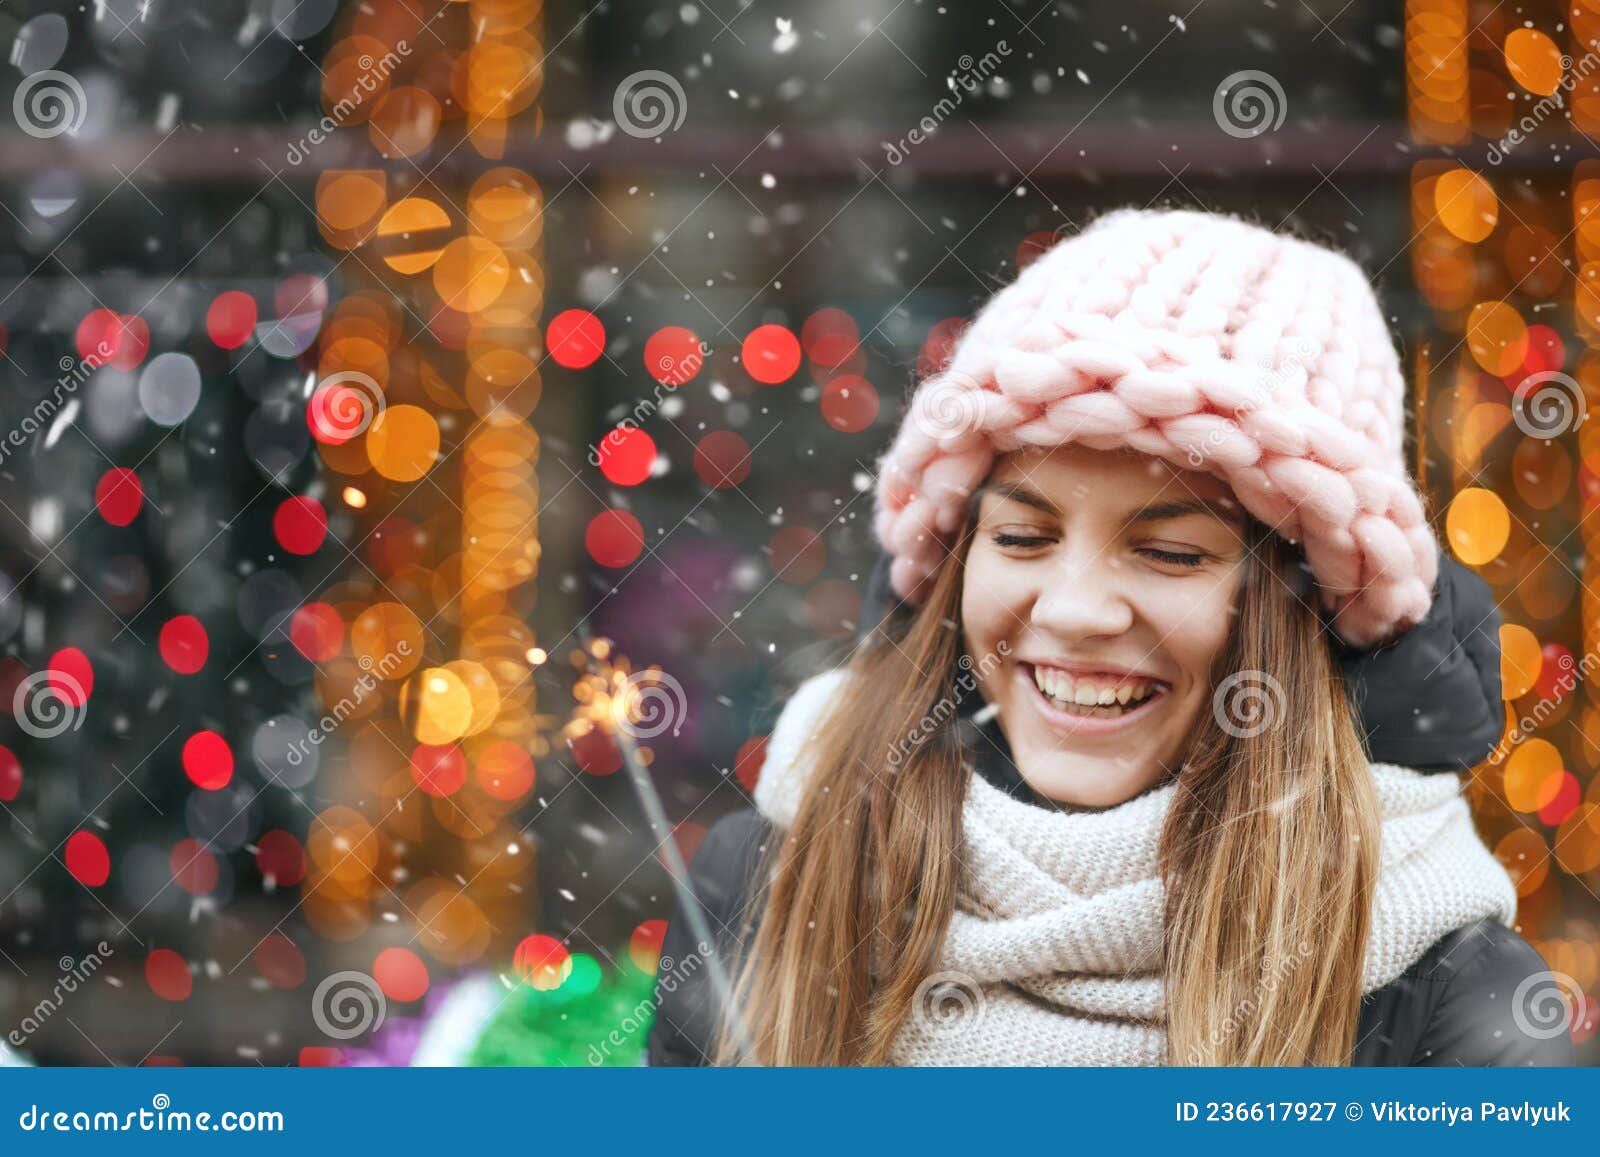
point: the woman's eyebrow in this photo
(1017, 493)
(1224, 509)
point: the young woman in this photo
(1096, 792)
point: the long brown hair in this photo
(1269, 853)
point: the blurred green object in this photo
(597, 1017)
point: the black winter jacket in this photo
(1430, 701)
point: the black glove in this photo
(1429, 700)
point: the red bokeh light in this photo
(401, 974)
(541, 961)
(10, 774)
(797, 554)
(280, 962)
(208, 760)
(596, 752)
(722, 459)
(317, 631)
(849, 404)
(231, 319)
(747, 761)
(644, 946)
(614, 538)
(194, 868)
(280, 858)
(627, 455)
(438, 769)
(118, 496)
(1558, 673)
(673, 355)
(770, 354)
(184, 644)
(300, 524)
(71, 676)
(576, 338)
(505, 770)
(87, 859)
(168, 975)
(1566, 800)
(939, 345)
(830, 336)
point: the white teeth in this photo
(1087, 697)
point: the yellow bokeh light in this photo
(403, 443)
(1466, 204)
(348, 200)
(1520, 660)
(1533, 60)
(440, 705)
(405, 121)
(1533, 775)
(1497, 337)
(387, 640)
(1525, 858)
(404, 231)
(1477, 525)
(507, 206)
(471, 273)
(483, 690)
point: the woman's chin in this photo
(1085, 781)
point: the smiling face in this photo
(1111, 580)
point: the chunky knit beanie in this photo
(1208, 342)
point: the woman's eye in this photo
(1174, 557)
(1008, 538)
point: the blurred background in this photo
(411, 407)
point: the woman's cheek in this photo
(1198, 615)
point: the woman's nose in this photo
(1083, 598)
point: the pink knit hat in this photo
(1205, 341)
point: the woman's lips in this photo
(1066, 721)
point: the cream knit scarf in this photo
(1054, 950)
